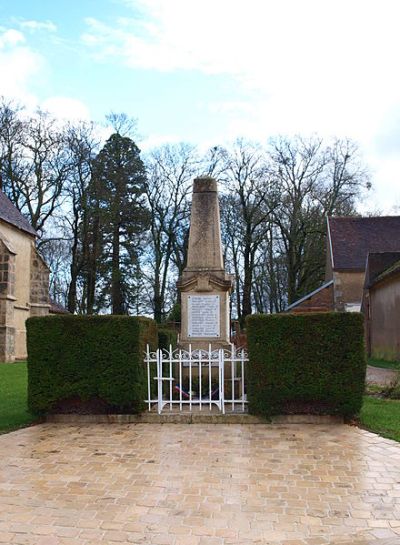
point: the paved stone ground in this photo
(198, 485)
(383, 377)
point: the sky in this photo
(211, 71)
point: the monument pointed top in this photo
(205, 248)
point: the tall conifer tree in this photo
(120, 219)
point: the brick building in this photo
(349, 241)
(24, 280)
(319, 300)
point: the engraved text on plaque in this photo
(203, 314)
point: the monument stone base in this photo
(205, 310)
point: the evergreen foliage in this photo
(312, 363)
(119, 222)
(167, 337)
(88, 358)
(176, 313)
(114, 230)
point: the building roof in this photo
(56, 308)
(391, 272)
(309, 295)
(381, 266)
(353, 238)
(10, 214)
(377, 264)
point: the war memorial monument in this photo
(204, 285)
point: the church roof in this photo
(352, 239)
(10, 214)
(56, 308)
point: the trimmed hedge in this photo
(167, 337)
(308, 363)
(92, 360)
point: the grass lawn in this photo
(384, 364)
(381, 416)
(13, 403)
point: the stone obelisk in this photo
(204, 284)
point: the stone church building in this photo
(24, 280)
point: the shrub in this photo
(92, 360)
(392, 390)
(175, 314)
(309, 363)
(166, 337)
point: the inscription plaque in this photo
(203, 314)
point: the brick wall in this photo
(322, 301)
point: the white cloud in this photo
(19, 65)
(33, 25)
(309, 66)
(66, 108)
(157, 140)
(11, 37)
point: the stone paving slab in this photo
(373, 541)
(199, 485)
(195, 417)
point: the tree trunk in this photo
(117, 303)
(157, 299)
(246, 300)
(74, 267)
(71, 306)
(93, 253)
(247, 281)
(291, 275)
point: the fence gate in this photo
(203, 379)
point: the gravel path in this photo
(377, 375)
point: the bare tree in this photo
(252, 201)
(34, 163)
(170, 172)
(122, 124)
(56, 253)
(82, 146)
(11, 137)
(313, 181)
(270, 279)
(345, 180)
(274, 201)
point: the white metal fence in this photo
(197, 378)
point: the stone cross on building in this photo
(204, 285)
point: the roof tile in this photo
(10, 214)
(354, 238)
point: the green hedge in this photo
(166, 337)
(88, 359)
(308, 363)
